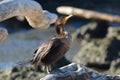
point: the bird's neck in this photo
(59, 29)
(62, 33)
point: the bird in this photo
(54, 49)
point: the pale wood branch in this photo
(88, 14)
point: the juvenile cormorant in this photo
(54, 49)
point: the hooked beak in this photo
(67, 17)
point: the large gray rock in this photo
(75, 71)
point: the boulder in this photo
(75, 71)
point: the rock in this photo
(113, 32)
(15, 69)
(75, 71)
(114, 68)
(93, 30)
(101, 53)
(92, 51)
(21, 73)
(3, 34)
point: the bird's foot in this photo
(47, 69)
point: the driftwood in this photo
(88, 14)
(30, 9)
(78, 72)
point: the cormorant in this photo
(54, 49)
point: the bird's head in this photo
(59, 24)
(63, 19)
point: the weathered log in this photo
(88, 14)
(32, 11)
(77, 72)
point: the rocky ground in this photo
(21, 73)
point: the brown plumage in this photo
(54, 49)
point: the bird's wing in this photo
(53, 47)
(44, 49)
